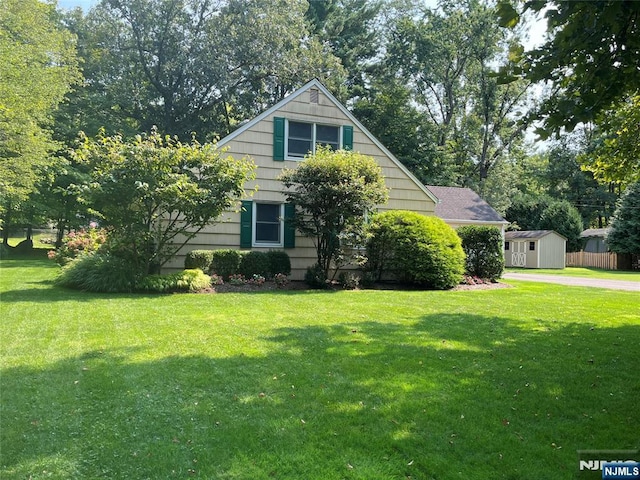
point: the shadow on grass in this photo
(373, 400)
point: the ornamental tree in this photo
(155, 193)
(624, 235)
(333, 192)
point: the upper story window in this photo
(268, 224)
(303, 137)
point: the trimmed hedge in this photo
(412, 248)
(227, 262)
(483, 248)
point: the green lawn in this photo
(505, 383)
(582, 272)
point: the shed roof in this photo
(530, 234)
(463, 204)
(594, 232)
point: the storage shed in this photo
(534, 249)
(595, 240)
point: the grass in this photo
(40, 240)
(504, 383)
(586, 272)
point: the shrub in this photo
(279, 262)
(199, 259)
(99, 272)
(315, 277)
(254, 262)
(281, 280)
(76, 243)
(225, 262)
(190, 280)
(237, 279)
(483, 248)
(349, 280)
(415, 249)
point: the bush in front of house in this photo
(199, 259)
(279, 263)
(412, 248)
(229, 262)
(483, 248)
(189, 280)
(254, 262)
(315, 277)
(225, 262)
(99, 272)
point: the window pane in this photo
(300, 130)
(299, 148)
(326, 135)
(267, 233)
(268, 212)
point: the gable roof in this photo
(594, 232)
(463, 204)
(530, 234)
(315, 83)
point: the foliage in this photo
(624, 233)
(281, 280)
(565, 219)
(415, 249)
(315, 277)
(255, 262)
(590, 57)
(332, 192)
(447, 57)
(484, 251)
(225, 262)
(616, 156)
(279, 262)
(189, 280)
(526, 210)
(167, 192)
(196, 66)
(77, 243)
(38, 66)
(199, 259)
(99, 272)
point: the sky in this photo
(69, 4)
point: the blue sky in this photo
(69, 4)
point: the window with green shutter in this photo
(293, 140)
(266, 224)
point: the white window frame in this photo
(314, 125)
(254, 226)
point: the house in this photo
(462, 206)
(534, 249)
(595, 240)
(279, 138)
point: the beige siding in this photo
(257, 142)
(552, 251)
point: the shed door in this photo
(519, 254)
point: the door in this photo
(519, 254)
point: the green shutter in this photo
(246, 223)
(278, 139)
(289, 229)
(347, 137)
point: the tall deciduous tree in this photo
(38, 66)
(197, 65)
(156, 193)
(448, 57)
(616, 153)
(590, 57)
(333, 191)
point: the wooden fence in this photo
(605, 260)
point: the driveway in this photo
(575, 281)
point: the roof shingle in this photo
(458, 203)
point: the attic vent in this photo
(313, 95)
